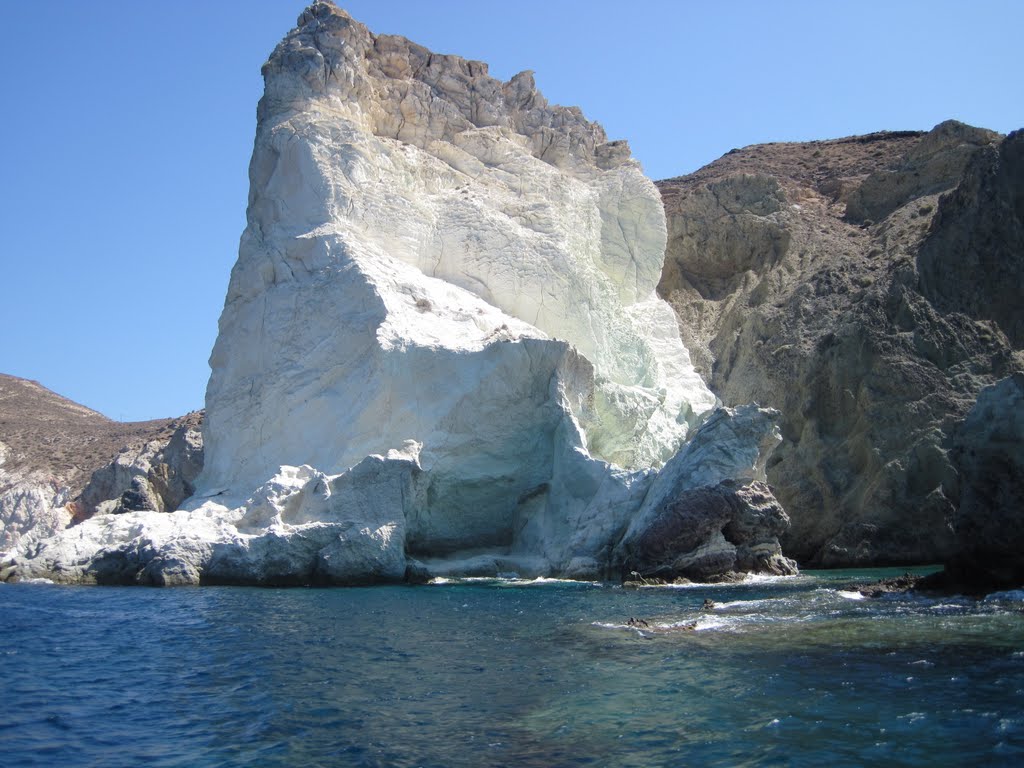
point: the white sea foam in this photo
(510, 581)
(548, 580)
(619, 627)
(759, 603)
(747, 580)
(913, 717)
(698, 624)
(950, 607)
(767, 578)
(850, 595)
(1011, 595)
(706, 623)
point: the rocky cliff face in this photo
(157, 474)
(972, 262)
(483, 267)
(441, 350)
(867, 288)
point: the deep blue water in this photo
(788, 672)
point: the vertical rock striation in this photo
(411, 216)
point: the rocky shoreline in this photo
(521, 349)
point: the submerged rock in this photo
(908, 582)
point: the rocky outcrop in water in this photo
(441, 349)
(700, 534)
(867, 288)
(709, 512)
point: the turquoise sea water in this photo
(789, 672)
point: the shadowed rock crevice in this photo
(988, 453)
(971, 260)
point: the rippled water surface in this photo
(790, 671)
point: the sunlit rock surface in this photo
(420, 233)
(441, 350)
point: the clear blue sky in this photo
(127, 128)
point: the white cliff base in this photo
(441, 351)
(33, 506)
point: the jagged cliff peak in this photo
(399, 89)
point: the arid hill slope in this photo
(59, 459)
(46, 433)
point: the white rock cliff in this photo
(441, 351)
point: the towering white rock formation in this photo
(416, 227)
(435, 255)
(441, 338)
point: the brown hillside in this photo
(51, 435)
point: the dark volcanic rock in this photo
(908, 582)
(706, 532)
(158, 474)
(820, 279)
(938, 158)
(989, 522)
(972, 260)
